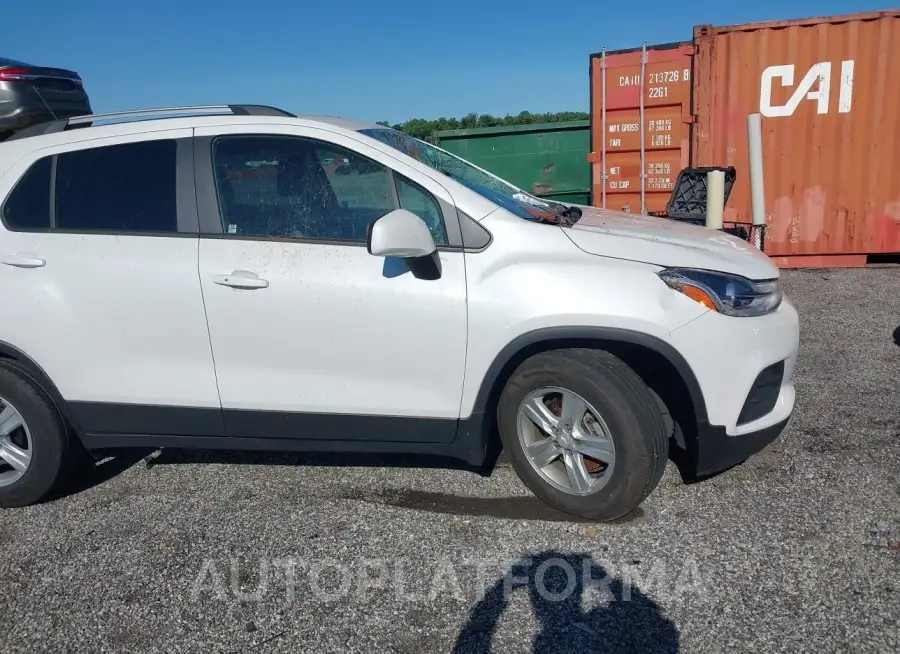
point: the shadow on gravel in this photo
(684, 463)
(111, 463)
(508, 508)
(897, 336)
(555, 582)
(325, 459)
(90, 473)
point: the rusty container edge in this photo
(829, 123)
(832, 195)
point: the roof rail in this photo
(61, 125)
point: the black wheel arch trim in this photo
(565, 335)
(25, 363)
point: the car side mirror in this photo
(400, 234)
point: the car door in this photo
(98, 264)
(312, 336)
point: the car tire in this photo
(47, 439)
(629, 415)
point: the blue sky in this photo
(387, 60)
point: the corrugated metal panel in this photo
(664, 83)
(831, 127)
(546, 159)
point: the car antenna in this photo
(52, 113)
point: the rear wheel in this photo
(584, 432)
(34, 448)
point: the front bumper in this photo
(728, 354)
(717, 451)
(744, 370)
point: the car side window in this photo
(28, 205)
(357, 182)
(291, 187)
(416, 199)
(118, 188)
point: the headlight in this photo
(732, 295)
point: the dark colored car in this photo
(32, 94)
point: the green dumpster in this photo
(548, 160)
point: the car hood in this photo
(667, 243)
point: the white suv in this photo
(239, 277)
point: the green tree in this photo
(469, 121)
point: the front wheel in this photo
(583, 432)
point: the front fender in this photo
(522, 346)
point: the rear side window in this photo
(28, 206)
(118, 188)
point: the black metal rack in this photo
(688, 203)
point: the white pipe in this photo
(715, 198)
(754, 148)
(643, 153)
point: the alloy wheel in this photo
(15, 444)
(566, 440)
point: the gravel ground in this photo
(797, 549)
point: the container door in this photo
(652, 98)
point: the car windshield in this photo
(482, 182)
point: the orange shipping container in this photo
(618, 82)
(831, 130)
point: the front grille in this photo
(763, 394)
